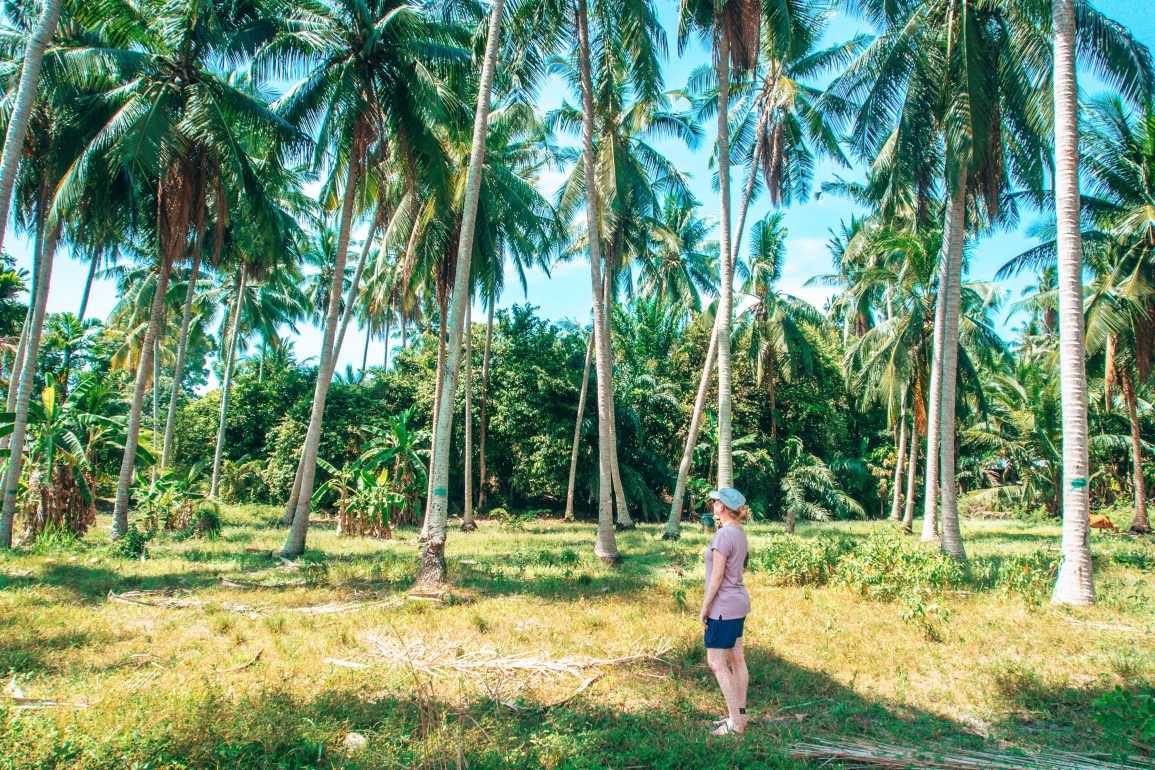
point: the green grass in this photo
(975, 659)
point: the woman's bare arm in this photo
(717, 572)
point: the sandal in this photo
(726, 728)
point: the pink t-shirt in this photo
(732, 601)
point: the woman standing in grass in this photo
(726, 605)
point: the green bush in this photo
(1031, 575)
(55, 541)
(889, 564)
(1126, 717)
(793, 561)
(134, 544)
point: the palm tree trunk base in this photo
(1140, 529)
(672, 534)
(469, 526)
(622, 526)
(433, 570)
(612, 559)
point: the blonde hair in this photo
(742, 514)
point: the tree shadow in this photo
(414, 721)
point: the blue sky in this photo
(566, 293)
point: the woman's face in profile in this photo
(718, 507)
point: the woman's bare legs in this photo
(741, 676)
(718, 661)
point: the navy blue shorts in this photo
(723, 634)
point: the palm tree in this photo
(365, 88)
(18, 122)
(166, 59)
(776, 334)
(810, 488)
(433, 557)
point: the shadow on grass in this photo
(424, 723)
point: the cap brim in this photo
(714, 495)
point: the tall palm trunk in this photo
(433, 556)
(227, 382)
(467, 522)
(623, 520)
(726, 292)
(178, 365)
(1140, 523)
(605, 545)
(912, 473)
(437, 391)
(673, 525)
(896, 500)
(155, 401)
(388, 335)
(24, 393)
(295, 542)
(577, 430)
(132, 439)
(956, 234)
(21, 347)
(88, 281)
(365, 352)
(934, 405)
(22, 108)
(1075, 584)
(482, 483)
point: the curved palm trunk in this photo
(1075, 584)
(178, 365)
(467, 522)
(605, 545)
(1139, 523)
(132, 439)
(951, 534)
(295, 494)
(24, 393)
(896, 500)
(227, 382)
(482, 481)
(726, 293)
(577, 430)
(673, 525)
(912, 472)
(22, 108)
(21, 350)
(433, 556)
(295, 542)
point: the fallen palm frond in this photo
(170, 598)
(249, 585)
(247, 664)
(17, 696)
(862, 754)
(450, 657)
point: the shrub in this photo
(1031, 575)
(54, 540)
(1127, 717)
(793, 561)
(134, 544)
(888, 564)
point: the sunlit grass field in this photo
(230, 672)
